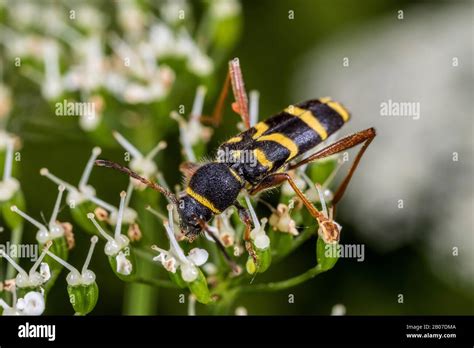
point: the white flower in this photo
(8, 185)
(198, 256)
(175, 258)
(189, 272)
(224, 228)
(143, 165)
(171, 10)
(32, 279)
(32, 304)
(199, 63)
(210, 268)
(52, 86)
(281, 220)
(192, 131)
(118, 242)
(124, 266)
(45, 272)
(162, 39)
(85, 276)
(222, 9)
(54, 229)
(260, 239)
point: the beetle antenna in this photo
(109, 164)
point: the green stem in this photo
(284, 284)
(224, 305)
(297, 242)
(16, 236)
(156, 282)
(145, 254)
(141, 298)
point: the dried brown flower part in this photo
(101, 214)
(227, 239)
(68, 234)
(134, 233)
(8, 285)
(281, 220)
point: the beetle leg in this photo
(245, 217)
(330, 229)
(364, 137)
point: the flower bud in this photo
(326, 254)
(264, 260)
(52, 232)
(82, 287)
(199, 288)
(178, 279)
(83, 298)
(120, 254)
(12, 220)
(123, 264)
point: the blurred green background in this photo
(270, 50)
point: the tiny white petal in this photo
(33, 303)
(189, 273)
(262, 241)
(198, 256)
(170, 264)
(45, 272)
(124, 266)
(160, 258)
(20, 304)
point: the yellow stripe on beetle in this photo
(283, 141)
(203, 200)
(260, 128)
(262, 159)
(310, 119)
(234, 140)
(236, 176)
(341, 110)
(294, 110)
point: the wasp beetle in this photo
(274, 144)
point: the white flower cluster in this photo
(126, 63)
